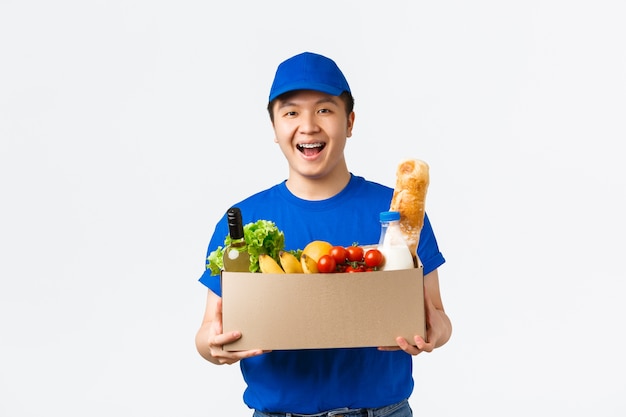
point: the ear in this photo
(351, 117)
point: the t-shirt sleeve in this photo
(212, 282)
(428, 249)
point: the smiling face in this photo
(312, 129)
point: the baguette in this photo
(409, 198)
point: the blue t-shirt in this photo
(317, 380)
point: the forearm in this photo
(444, 328)
(202, 343)
(440, 325)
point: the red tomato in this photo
(373, 258)
(355, 253)
(326, 264)
(355, 268)
(339, 253)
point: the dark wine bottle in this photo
(236, 257)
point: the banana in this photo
(289, 262)
(268, 265)
(309, 265)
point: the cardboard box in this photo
(310, 311)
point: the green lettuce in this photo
(262, 236)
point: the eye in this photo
(324, 111)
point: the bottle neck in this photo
(238, 243)
(390, 233)
(384, 226)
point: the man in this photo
(311, 110)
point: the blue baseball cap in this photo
(308, 71)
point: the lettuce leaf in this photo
(262, 236)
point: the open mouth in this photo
(310, 149)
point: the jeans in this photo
(401, 409)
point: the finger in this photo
(422, 345)
(225, 338)
(388, 348)
(230, 358)
(406, 346)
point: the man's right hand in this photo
(210, 339)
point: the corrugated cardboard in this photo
(309, 311)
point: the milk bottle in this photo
(392, 244)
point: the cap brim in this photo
(302, 85)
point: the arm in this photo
(210, 339)
(438, 325)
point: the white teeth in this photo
(310, 145)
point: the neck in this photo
(318, 188)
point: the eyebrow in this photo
(329, 99)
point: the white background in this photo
(120, 121)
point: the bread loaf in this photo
(409, 198)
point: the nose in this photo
(308, 123)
